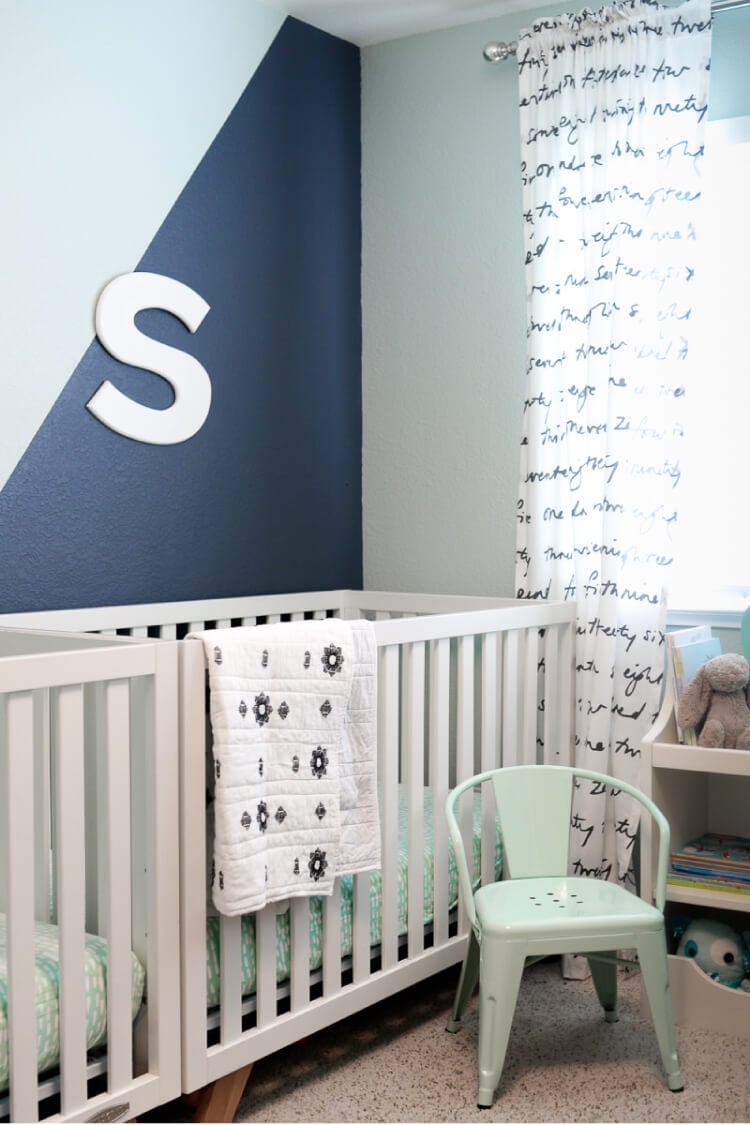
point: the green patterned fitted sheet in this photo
(47, 981)
(283, 941)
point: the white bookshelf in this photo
(699, 790)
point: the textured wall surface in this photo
(266, 496)
(443, 300)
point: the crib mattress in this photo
(283, 940)
(47, 982)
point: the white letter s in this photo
(116, 309)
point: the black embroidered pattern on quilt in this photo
(262, 709)
(317, 864)
(325, 708)
(264, 658)
(218, 658)
(242, 708)
(283, 710)
(319, 762)
(308, 658)
(246, 820)
(320, 811)
(332, 659)
(295, 764)
(262, 816)
(280, 815)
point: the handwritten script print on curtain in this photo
(612, 108)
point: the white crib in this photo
(463, 684)
(88, 776)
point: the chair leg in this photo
(652, 954)
(467, 982)
(500, 975)
(604, 976)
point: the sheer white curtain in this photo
(613, 110)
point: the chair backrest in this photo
(534, 808)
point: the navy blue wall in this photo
(266, 497)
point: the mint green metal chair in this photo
(538, 910)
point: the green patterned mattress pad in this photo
(283, 939)
(47, 987)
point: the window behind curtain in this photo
(712, 544)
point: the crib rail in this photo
(174, 620)
(88, 844)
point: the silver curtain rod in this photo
(499, 52)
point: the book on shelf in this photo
(714, 855)
(687, 651)
(705, 882)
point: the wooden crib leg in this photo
(219, 1100)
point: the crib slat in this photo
(115, 857)
(332, 941)
(439, 752)
(361, 926)
(19, 850)
(230, 978)
(299, 925)
(549, 691)
(413, 708)
(511, 749)
(489, 754)
(388, 740)
(465, 744)
(95, 796)
(566, 691)
(265, 955)
(530, 698)
(69, 736)
(42, 798)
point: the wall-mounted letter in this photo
(118, 304)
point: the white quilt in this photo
(293, 713)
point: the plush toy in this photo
(718, 697)
(718, 950)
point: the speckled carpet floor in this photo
(396, 1063)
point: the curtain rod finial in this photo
(498, 52)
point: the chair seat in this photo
(535, 908)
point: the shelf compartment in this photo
(701, 759)
(699, 1001)
(713, 900)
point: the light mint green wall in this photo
(443, 300)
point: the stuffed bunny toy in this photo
(717, 695)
